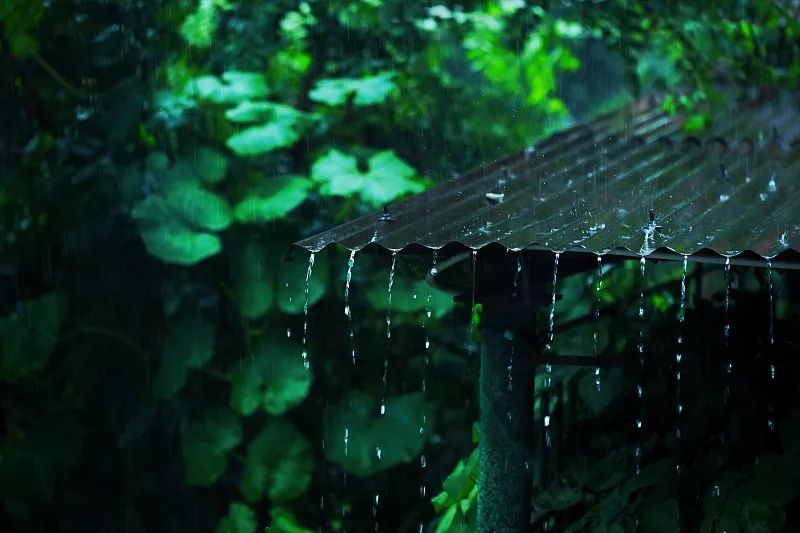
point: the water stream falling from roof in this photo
(423, 461)
(306, 364)
(596, 334)
(679, 355)
(726, 332)
(639, 422)
(548, 349)
(388, 336)
(348, 313)
(771, 356)
(472, 307)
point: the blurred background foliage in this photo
(158, 158)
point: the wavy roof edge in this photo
(626, 148)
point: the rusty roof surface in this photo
(627, 183)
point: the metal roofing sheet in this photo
(626, 183)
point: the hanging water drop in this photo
(306, 364)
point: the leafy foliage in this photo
(160, 157)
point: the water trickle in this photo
(679, 353)
(472, 308)
(389, 297)
(548, 367)
(640, 348)
(550, 324)
(516, 276)
(347, 311)
(772, 369)
(771, 304)
(306, 364)
(726, 329)
(596, 334)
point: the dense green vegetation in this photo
(158, 158)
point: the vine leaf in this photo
(280, 472)
(273, 378)
(273, 199)
(189, 344)
(240, 519)
(206, 442)
(386, 179)
(29, 334)
(376, 442)
(366, 91)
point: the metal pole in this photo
(507, 376)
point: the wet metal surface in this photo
(629, 183)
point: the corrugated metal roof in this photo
(627, 183)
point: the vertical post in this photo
(507, 375)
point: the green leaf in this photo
(410, 296)
(376, 442)
(248, 111)
(199, 27)
(292, 283)
(369, 90)
(459, 484)
(759, 516)
(206, 441)
(259, 140)
(697, 123)
(189, 344)
(283, 521)
(254, 285)
(234, 87)
(661, 517)
(198, 207)
(29, 334)
(273, 199)
(169, 226)
(273, 378)
(240, 519)
(387, 177)
(279, 463)
(204, 164)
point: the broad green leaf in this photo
(206, 441)
(273, 377)
(204, 164)
(387, 177)
(29, 334)
(255, 282)
(459, 484)
(197, 206)
(189, 344)
(199, 27)
(292, 283)
(757, 516)
(258, 140)
(240, 519)
(337, 173)
(274, 198)
(661, 517)
(248, 111)
(167, 226)
(367, 91)
(376, 443)
(409, 296)
(283, 521)
(234, 87)
(279, 463)
(175, 243)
